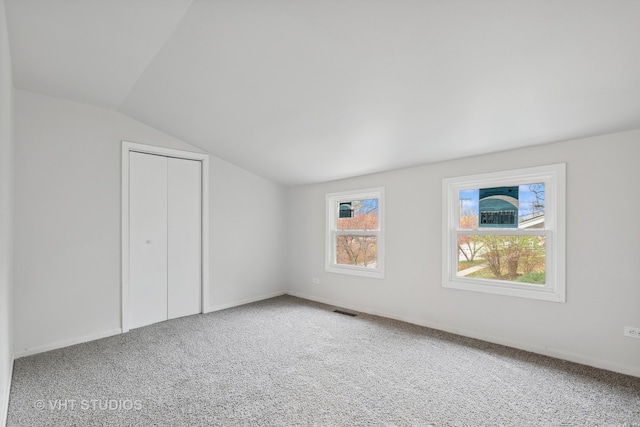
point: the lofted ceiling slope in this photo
(310, 91)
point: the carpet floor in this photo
(288, 361)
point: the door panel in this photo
(184, 237)
(147, 239)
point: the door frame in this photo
(128, 147)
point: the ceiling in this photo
(304, 91)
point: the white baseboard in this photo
(4, 409)
(358, 308)
(65, 343)
(551, 352)
(244, 301)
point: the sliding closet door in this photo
(147, 239)
(184, 241)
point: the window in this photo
(504, 233)
(355, 238)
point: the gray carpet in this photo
(287, 361)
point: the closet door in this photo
(147, 239)
(184, 237)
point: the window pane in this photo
(508, 258)
(531, 212)
(358, 215)
(530, 207)
(469, 209)
(357, 250)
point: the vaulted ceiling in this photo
(303, 91)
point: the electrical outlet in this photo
(632, 332)
(315, 280)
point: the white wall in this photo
(6, 212)
(67, 223)
(247, 228)
(603, 292)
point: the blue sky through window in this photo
(366, 205)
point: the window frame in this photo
(333, 201)
(554, 179)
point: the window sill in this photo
(355, 271)
(504, 288)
